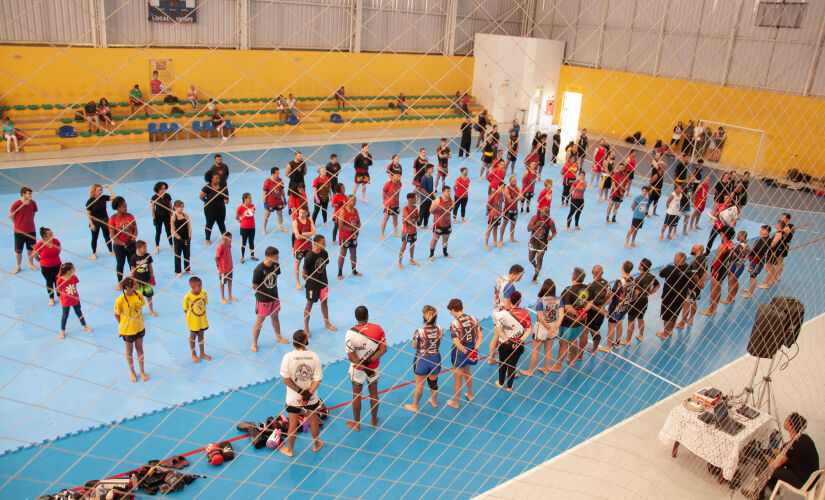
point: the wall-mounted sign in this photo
(161, 80)
(172, 11)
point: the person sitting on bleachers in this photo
(341, 97)
(218, 123)
(456, 103)
(211, 106)
(192, 97)
(401, 103)
(135, 99)
(104, 112)
(91, 114)
(280, 106)
(290, 106)
(10, 135)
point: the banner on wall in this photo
(161, 79)
(550, 107)
(172, 11)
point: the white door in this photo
(571, 107)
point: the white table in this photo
(711, 444)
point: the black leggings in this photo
(181, 252)
(460, 203)
(424, 212)
(159, 225)
(50, 274)
(508, 356)
(714, 232)
(101, 227)
(464, 148)
(122, 257)
(216, 214)
(248, 240)
(334, 228)
(65, 317)
(565, 192)
(322, 208)
(576, 205)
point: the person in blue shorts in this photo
(740, 255)
(427, 360)
(466, 335)
(573, 311)
(639, 206)
(622, 294)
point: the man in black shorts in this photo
(333, 169)
(696, 271)
(302, 374)
(599, 292)
(675, 281)
(295, 172)
(315, 281)
(646, 285)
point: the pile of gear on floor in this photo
(272, 433)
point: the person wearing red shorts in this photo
(409, 219)
(700, 199)
(267, 304)
(303, 230)
(442, 222)
(598, 158)
(274, 199)
(390, 195)
(528, 185)
(512, 196)
(349, 223)
(22, 215)
(362, 162)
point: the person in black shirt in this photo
(722, 188)
(91, 115)
(214, 198)
(333, 168)
(673, 293)
(582, 148)
(542, 152)
(757, 257)
(697, 272)
(466, 138)
(646, 285)
(98, 216)
(598, 291)
(265, 284)
(219, 168)
(481, 126)
(573, 311)
(162, 214)
(496, 136)
(796, 464)
(419, 166)
(315, 281)
(785, 244)
(295, 172)
(554, 150)
(362, 163)
(681, 171)
(657, 180)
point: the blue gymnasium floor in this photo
(51, 387)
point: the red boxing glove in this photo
(473, 356)
(213, 454)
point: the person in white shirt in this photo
(301, 371)
(290, 105)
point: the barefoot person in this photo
(494, 210)
(545, 328)
(503, 288)
(756, 259)
(349, 223)
(639, 207)
(672, 212)
(598, 291)
(22, 216)
(265, 284)
(697, 271)
(512, 326)
(274, 199)
(646, 285)
(409, 231)
(719, 268)
(427, 362)
(362, 163)
(301, 373)
(442, 222)
(315, 279)
(675, 280)
(365, 343)
(573, 311)
(303, 229)
(194, 309)
(129, 316)
(390, 193)
(737, 267)
(466, 334)
(622, 294)
(774, 254)
(542, 229)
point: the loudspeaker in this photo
(768, 331)
(796, 316)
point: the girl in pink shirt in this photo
(245, 214)
(69, 298)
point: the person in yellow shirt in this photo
(194, 306)
(129, 315)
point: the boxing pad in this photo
(259, 435)
(246, 426)
(227, 452)
(283, 423)
(213, 454)
(275, 439)
(322, 410)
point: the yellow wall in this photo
(617, 104)
(36, 75)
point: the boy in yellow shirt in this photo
(194, 306)
(129, 315)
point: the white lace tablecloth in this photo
(711, 444)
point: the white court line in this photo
(637, 365)
(629, 419)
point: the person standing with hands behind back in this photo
(214, 196)
(427, 364)
(301, 373)
(129, 315)
(466, 334)
(267, 304)
(182, 236)
(123, 230)
(315, 279)
(365, 343)
(194, 307)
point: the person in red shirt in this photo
(545, 198)
(498, 172)
(512, 196)
(302, 232)
(69, 299)
(223, 259)
(598, 158)
(720, 267)
(245, 214)
(390, 195)
(568, 174)
(630, 167)
(462, 194)
(442, 223)
(699, 201)
(444, 155)
(47, 253)
(22, 216)
(528, 185)
(274, 199)
(349, 223)
(576, 200)
(338, 200)
(298, 200)
(619, 184)
(123, 230)
(365, 343)
(494, 202)
(409, 219)
(321, 190)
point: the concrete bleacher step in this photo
(49, 146)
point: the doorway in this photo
(571, 107)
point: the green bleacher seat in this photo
(46, 106)
(33, 107)
(137, 131)
(124, 131)
(85, 134)
(123, 104)
(66, 120)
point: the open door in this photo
(571, 107)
